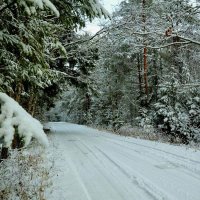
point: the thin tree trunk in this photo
(155, 76)
(139, 74)
(18, 91)
(87, 106)
(145, 71)
(30, 103)
(34, 106)
(177, 63)
(17, 141)
(145, 48)
(160, 65)
(4, 153)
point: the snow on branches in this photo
(13, 117)
(98, 9)
(31, 5)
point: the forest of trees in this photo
(140, 69)
(34, 36)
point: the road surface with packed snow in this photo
(94, 165)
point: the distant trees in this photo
(147, 72)
(80, 64)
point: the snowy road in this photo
(95, 165)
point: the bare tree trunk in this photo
(17, 141)
(87, 105)
(139, 74)
(145, 71)
(4, 153)
(34, 106)
(18, 91)
(145, 48)
(155, 86)
(32, 102)
(178, 63)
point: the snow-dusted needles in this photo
(12, 117)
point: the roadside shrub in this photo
(24, 175)
(176, 113)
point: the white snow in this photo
(98, 9)
(52, 7)
(94, 165)
(96, 6)
(38, 3)
(13, 115)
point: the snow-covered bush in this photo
(177, 112)
(14, 119)
(25, 175)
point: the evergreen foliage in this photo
(147, 73)
(31, 36)
(143, 70)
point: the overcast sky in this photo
(110, 6)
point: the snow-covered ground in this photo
(94, 165)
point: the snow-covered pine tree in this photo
(172, 32)
(29, 42)
(177, 76)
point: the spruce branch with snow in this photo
(30, 6)
(12, 117)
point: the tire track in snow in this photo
(167, 179)
(160, 150)
(186, 167)
(105, 175)
(74, 170)
(147, 186)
